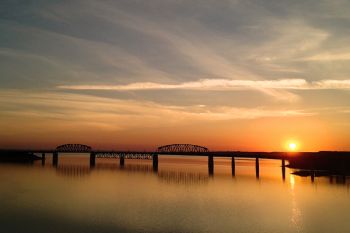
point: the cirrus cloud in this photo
(221, 85)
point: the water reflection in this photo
(179, 197)
(296, 213)
(73, 170)
(82, 170)
(178, 177)
(337, 179)
(79, 167)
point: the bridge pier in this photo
(92, 159)
(257, 172)
(55, 159)
(43, 159)
(331, 179)
(283, 169)
(211, 165)
(155, 162)
(121, 160)
(233, 165)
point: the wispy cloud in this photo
(324, 57)
(121, 114)
(331, 84)
(221, 85)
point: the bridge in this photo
(307, 160)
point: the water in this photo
(180, 197)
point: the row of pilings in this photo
(155, 163)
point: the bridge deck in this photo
(323, 160)
(242, 154)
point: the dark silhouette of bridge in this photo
(188, 148)
(327, 160)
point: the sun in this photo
(292, 146)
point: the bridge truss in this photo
(185, 148)
(123, 155)
(73, 148)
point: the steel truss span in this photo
(186, 148)
(73, 148)
(125, 155)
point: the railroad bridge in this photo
(172, 149)
(322, 160)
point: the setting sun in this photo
(292, 146)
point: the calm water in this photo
(180, 197)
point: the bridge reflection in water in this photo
(173, 149)
(323, 160)
(73, 170)
(168, 176)
(171, 176)
(181, 177)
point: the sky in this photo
(250, 75)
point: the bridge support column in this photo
(257, 172)
(121, 160)
(55, 159)
(312, 176)
(92, 159)
(43, 159)
(331, 179)
(155, 162)
(211, 165)
(233, 165)
(283, 169)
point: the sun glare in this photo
(292, 146)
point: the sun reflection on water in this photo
(296, 213)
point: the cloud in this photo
(177, 45)
(328, 57)
(331, 84)
(204, 84)
(221, 85)
(112, 114)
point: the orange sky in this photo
(311, 133)
(229, 75)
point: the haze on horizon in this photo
(235, 74)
